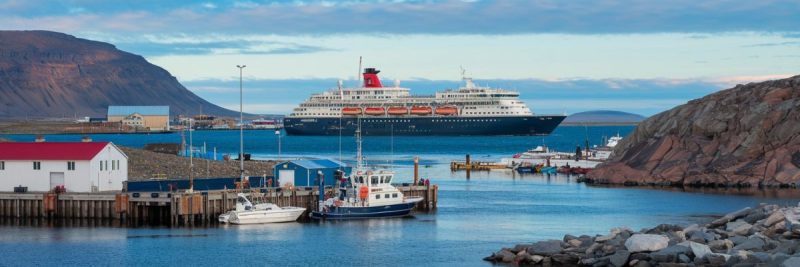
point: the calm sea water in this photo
(476, 216)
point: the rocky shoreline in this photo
(767, 235)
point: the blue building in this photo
(304, 172)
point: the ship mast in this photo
(359, 157)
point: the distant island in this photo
(46, 75)
(603, 117)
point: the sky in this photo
(638, 56)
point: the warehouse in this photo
(75, 166)
(153, 118)
(304, 172)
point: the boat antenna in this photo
(391, 146)
(359, 157)
(358, 74)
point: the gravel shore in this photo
(143, 164)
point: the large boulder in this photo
(545, 248)
(746, 135)
(646, 242)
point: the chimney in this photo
(39, 139)
(86, 139)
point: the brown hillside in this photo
(47, 74)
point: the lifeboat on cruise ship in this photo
(446, 110)
(398, 111)
(421, 110)
(375, 111)
(351, 111)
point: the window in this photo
(378, 196)
(37, 165)
(374, 180)
(394, 195)
(70, 165)
(2, 165)
(113, 165)
(386, 196)
(101, 165)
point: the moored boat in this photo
(364, 194)
(247, 213)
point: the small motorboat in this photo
(247, 213)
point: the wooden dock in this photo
(200, 208)
(476, 166)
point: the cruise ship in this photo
(392, 110)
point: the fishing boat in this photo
(365, 194)
(247, 213)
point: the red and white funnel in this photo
(371, 78)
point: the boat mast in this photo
(359, 157)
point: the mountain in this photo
(603, 116)
(746, 135)
(48, 74)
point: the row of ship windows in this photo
(439, 120)
(378, 196)
(492, 113)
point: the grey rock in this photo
(720, 245)
(786, 247)
(642, 264)
(569, 237)
(545, 248)
(755, 216)
(791, 262)
(664, 228)
(536, 258)
(717, 259)
(753, 244)
(738, 239)
(670, 254)
(774, 218)
(684, 259)
(700, 236)
(605, 238)
(574, 242)
(504, 256)
(743, 229)
(730, 216)
(646, 242)
(699, 250)
(619, 258)
(733, 225)
(760, 256)
(565, 259)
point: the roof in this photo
(50, 150)
(318, 163)
(142, 110)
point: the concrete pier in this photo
(200, 208)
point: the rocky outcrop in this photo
(763, 236)
(143, 165)
(48, 74)
(748, 135)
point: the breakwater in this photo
(200, 208)
(767, 235)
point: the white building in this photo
(78, 166)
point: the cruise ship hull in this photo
(519, 125)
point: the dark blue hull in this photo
(522, 125)
(353, 213)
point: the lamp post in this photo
(278, 134)
(241, 127)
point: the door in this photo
(56, 179)
(285, 177)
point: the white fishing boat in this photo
(247, 213)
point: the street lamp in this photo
(241, 127)
(278, 133)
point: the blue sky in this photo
(563, 56)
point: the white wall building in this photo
(78, 166)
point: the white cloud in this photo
(262, 108)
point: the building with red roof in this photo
(77, 166)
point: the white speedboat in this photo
(247, 213)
